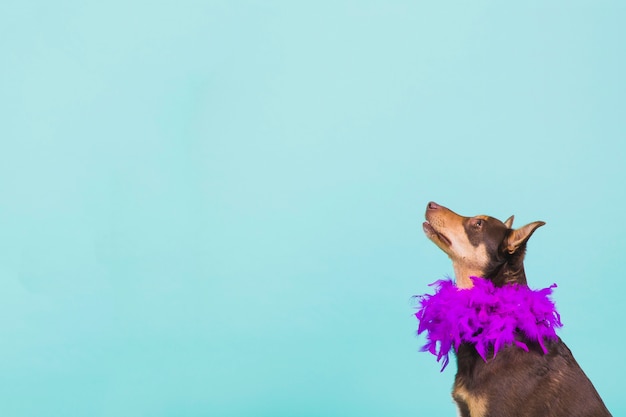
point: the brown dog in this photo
(515, 382)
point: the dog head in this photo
(480, 246)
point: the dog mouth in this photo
(432, 234)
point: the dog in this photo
(514, 383)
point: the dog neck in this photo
(509, 271)
(463, 274)
(509, 275)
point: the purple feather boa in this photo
(486, 316)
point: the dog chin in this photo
(438, 238)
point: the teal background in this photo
(214, 208)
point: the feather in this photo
(485, 316)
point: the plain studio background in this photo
(214, 208)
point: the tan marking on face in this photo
(477, 404)
(447, 230)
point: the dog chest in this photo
(470, 405)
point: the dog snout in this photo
(433, 206)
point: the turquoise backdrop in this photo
(214, 208)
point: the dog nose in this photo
(433, 206)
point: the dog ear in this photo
(519, 237)
(509, 222)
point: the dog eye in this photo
(478, 223)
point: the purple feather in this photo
(486, 316)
